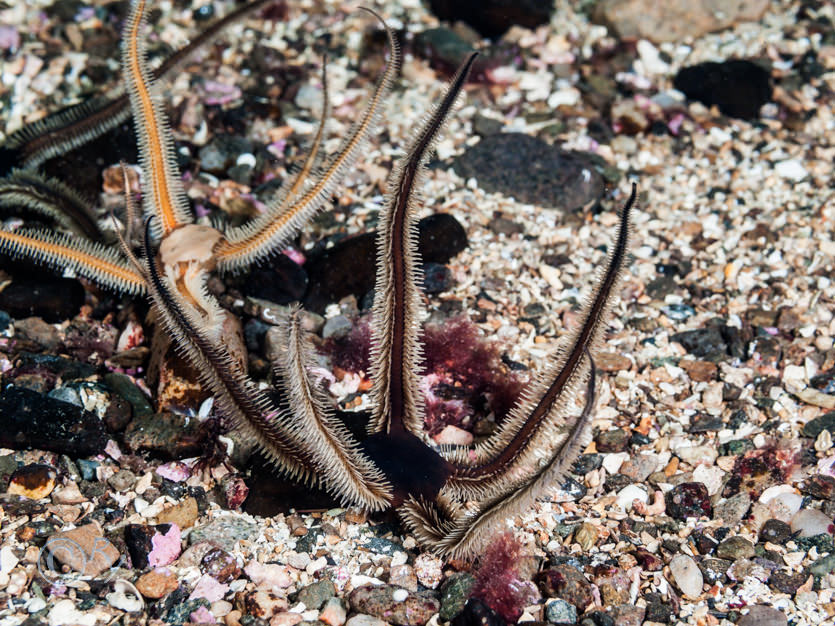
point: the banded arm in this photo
(82, 257)
(50, 198)
(272, 230)
(162, 190)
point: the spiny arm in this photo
(396, 355)
(162, 194)
(539, 440)
(63, 252)
(269, 232)
(345, 470)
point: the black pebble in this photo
(738, 87)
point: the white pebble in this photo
(811, 522)
(630, 493)
(8, 560)
(247, 158)
(612, 462)
(790, 169)
(125, 597)
(64, 612)
(399, 595)
(710, 476)
(687, 575)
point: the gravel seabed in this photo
(743, 211)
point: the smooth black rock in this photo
(492, 18)
(532, 171)
(476, 613)
(32, 420)
(279, 280)
(738, 87)
(52, 299)
(437, 278)
(585, 463)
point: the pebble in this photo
(157, 583)
(225, 532)
(269, 575)
(734, 509)
(761, 615)
(454, 593)
(314, 596)
(500, 163)
(819, 486)
(491, 18)
(184, 514)
(688, 500)
(612, 440)
(382, 601)
(639, 467)
(64, 612)
(628, 494)
(361, 619)
(687, 575)
(83, 549)
(566, 582)
(220, 565)
(429, 570)
(734, 548)
(32, 481)
(125, 597)
(48, 424)
(452, 435)
(337, 327)
(122, 480)
(790, 169)
(403, 576)
(811, 522)
(560, 612)
(676, 20)
(815, 426)
(208, 589)
(333, 613)
(738, 87)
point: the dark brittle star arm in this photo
(396, 353)
(538, 441)
(342, 466)
(76, 125)
(244, 406)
